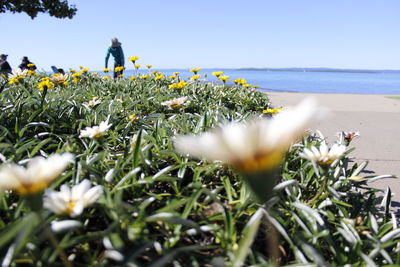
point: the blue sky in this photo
(212, 34)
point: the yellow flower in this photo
(84, 70)
(75, 80)
(195, 71)
(154, 72)
(173, 77)
(119, 69)
(132, 78)
(246, 85)
(255, 86)
(195, 77)
(72, 71)
(45, 85)
(32, 73)
(30, 65)
(106, 70)
(145, 76)
(39, 173)
(224, 78)
(178, 85)
(132, 117)
(272, 110)
(159, 76)
(217, 73)
(240, 81)
(13, 81)
(106, 77)
(176, 73)
(133, 59)
(149, 66)
(76, 74)
(137, 66)
(121, 75)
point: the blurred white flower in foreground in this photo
(323, 155)
(96, 131)
(254, 146)
(39, 173)
(177, 102)
(73, 200)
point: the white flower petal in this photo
(79, 190)
(249, 145)
(92, 195)
(11, 175)
(61, 226)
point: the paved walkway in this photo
(376, 117)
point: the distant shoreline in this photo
(320, 70)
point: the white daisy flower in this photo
(177, 102)
(92, 103)
(323, 155)
(254, 146)
(18, 74)
(72, 201)
(39, 173)
(95, 131)
(60, 78)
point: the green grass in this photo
(393, 97)
(161, 208)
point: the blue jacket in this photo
(118, 55)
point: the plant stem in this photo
(272, 243)
(319, 193)
(54, 242)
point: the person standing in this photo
(115, 50)
(26, 64)
(5, 68)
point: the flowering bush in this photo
(135, 201)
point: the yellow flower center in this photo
(325, 162)
(29, 189)
(260, 161)
(70, 207)
(175, 105)
(97, 135)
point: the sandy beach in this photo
(376, 117)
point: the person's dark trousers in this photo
(116, 74)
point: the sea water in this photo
(314, 81)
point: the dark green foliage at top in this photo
(55, 8)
